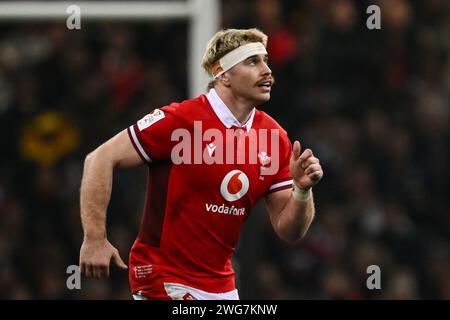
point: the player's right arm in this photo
(96, 251)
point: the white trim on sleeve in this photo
(281, 184)
(138, 144)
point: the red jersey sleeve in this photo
(151, 135)
(283, 178)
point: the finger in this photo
(312, 168)
(103, 271)
(316, 175)
(106, 271)
(82, 268)
(311, 160)
(118, 260)
(296, 150)
(306, 154)
(88, 269)
(96, 272)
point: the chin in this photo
(259, 98)
(263, 97)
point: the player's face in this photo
(252, 79)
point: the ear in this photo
(225, 79)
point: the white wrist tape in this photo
(239, 54)
(301, 196)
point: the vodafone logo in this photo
(234, 185)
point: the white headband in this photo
(239, 54)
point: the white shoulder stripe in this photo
(138, 144)
(281, 184)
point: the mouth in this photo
(267, 84)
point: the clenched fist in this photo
(305, 168)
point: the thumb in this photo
(296, 150)
(118, 260)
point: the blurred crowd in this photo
(373, 105)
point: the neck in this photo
(239, 107)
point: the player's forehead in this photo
(254, 58)
(257, 56)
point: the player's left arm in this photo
(292, 211)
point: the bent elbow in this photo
(101, 156)
(89, 158)
(291, 235)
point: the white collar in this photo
(224, 113)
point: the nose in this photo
(266, 70)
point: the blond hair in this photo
(226, 41)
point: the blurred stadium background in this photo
(374, 105)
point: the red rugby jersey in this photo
(194, 210)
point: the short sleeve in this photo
(283, 178)
(151, 135)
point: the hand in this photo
(305, 168)
(95, 256)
